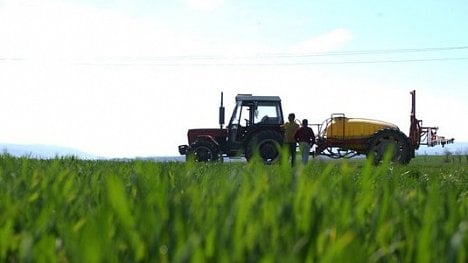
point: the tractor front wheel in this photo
(203, 151)
(391, 142)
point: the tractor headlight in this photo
(183, 149)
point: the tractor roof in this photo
(250, 97)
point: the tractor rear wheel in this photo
(267, 145)
(392, 142)
(203, 151)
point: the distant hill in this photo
(162, 159)
(42, 151)
(50, 151)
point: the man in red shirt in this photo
(306, 138)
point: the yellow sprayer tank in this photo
(353, 128)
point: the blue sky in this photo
(127, 78)
(392, 24)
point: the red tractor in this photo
(255, 128)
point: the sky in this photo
(129, 78)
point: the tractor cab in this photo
(251, 114)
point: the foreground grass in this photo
(67, 210)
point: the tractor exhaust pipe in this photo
(221, 112)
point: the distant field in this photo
(68, 210)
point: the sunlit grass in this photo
(68, 210)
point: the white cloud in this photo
(329, 41)
(57, 29)
(205, 5)
(50, 29)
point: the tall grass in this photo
(68, 210)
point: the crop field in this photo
(69, 210)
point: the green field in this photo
(68, 210)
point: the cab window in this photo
(267, 114)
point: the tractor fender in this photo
(207, 138)
(254, 132)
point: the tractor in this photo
(255, 128)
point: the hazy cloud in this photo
(329, 41)
(55, 29)
(204, 5)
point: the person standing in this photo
(306, 138)
(290, 129)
